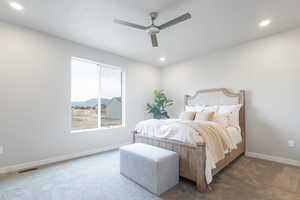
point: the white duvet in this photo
(176, 129)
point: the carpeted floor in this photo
(97, 178)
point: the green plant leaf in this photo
(161, 102)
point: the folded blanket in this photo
(217, 140)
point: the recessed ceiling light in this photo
(16, 5)
(265, 23)
(162, 59)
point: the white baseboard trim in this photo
(274, 158)
(38, 163)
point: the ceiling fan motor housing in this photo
(153, 30)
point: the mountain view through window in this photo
(94, 85)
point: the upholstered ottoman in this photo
(154, 168)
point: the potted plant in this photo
(161, 103)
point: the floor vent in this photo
(27, 170)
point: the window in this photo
(96, 84)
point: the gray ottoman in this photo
(152, 167)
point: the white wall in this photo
(35, 96)
(35, 92)
(268, 69)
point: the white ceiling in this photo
(215, 24)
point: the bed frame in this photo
(193, 157)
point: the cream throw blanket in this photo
(217, 139)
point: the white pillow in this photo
(210, 109)
(229, 108)
(234, 110)
(194, 108)
(187, 115)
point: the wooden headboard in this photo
(219, 96)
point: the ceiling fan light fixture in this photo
(16, 6)
(153, 30)
(265, 23)
(162, 59)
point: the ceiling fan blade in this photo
(154, 40)
(175, 21)
(118, 21)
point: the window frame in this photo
(100, 66)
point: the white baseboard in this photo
(274, 158)
(38, 163)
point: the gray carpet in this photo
(97, 178)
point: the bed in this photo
(193, 156)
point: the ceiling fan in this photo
(153, 30)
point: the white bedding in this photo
(174, 130)
(235, 134)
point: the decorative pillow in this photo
(187, 115)
(234, 113)
(222, 119)
(203, 116)
(194, 108)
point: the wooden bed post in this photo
(200, 156)
(243, 119)
(133, 136)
